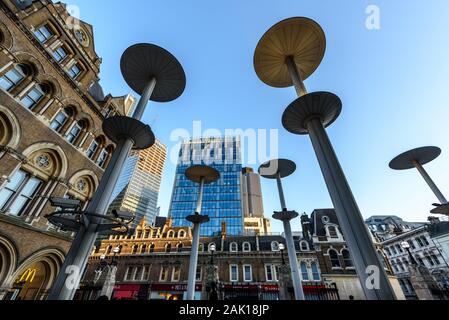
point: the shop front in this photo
(164, 291)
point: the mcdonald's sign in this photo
(27, 276)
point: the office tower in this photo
(253, 214)
(221, 199)
(137, 189)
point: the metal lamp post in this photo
(277, 169)
(156, 75)
(281, 249)
(416, 158)
(203, 175)
(212, 249)
(287, 54)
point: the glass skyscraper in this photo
(137, 189)
(221, 199)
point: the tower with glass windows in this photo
(221, 199)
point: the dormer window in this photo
(43, 33)
(60, 53)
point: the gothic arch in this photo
(84, 183)
(48, 158)
(10, 130)
(8, 259)
(52, 82)
(24, 57)
(50, 258)
(6, 39)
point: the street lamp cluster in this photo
(286, 55)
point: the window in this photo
(304, 272)
(274, 246)
(399, 248)
(269, 273)
(134, 249)
(168, 247)
(246, 247)
(59, 54)
(181, 234)
(74, 132)
(151, 248)
(175, 274)
(200, 247)
(332, 232)
(146, 272)
(171, 234)
(34, 95)
(347, 258)
(435, 258)
(198, 273)
(233, 247)
(143, 248)
(315, 272)
(109, 250)
(138, 273)
(74, 71)
(129, 272)
(233, 273)
(304, 246)
(102, 158)
(18, 192)
(13, 77)
(247, 273)
(424, 240)
(420, 260)
(429, 260)
(59, 120)
(412, 244)
(43, 33)
(420, 243)
(92, 148)
(179, 247)
(333, 256)
(164, 274)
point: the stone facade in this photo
(51, 139)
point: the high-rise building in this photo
(221, 199)
(138, 186)
(253, 214)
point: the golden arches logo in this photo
(28, 275)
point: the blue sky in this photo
(393, 83)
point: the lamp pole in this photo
(200, 174)
(277, 169)
(286, 55)
(140, 73)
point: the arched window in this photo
(168, 247)
(347, 258)
(75, 131)
(134, 250)
(332, 232)
(304, 246)
(61, 119)
(181, 234)
(179, 247)
(304, 271)
(171, 234)
(151, 248)
(233, 247)
(246, 247)
(200, 247)
(315, 271)
(274, 246)
(333, 256)
(92, 150)
(34, 95)
(13, 77)
(143, 249)
(108, 250)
